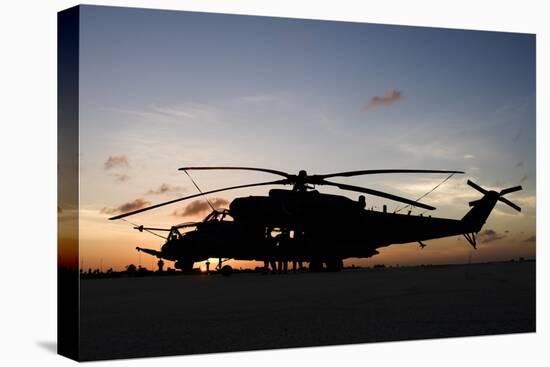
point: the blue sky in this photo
(168, 89)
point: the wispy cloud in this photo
(451, 192)
(115, 161)
(259, 98)
(524, 178)
(165, 188)
(126, 207)
(524, 200)
(490, 235)
(429, 149)
(390, 97)
(184, 111)
(121, 177)
(469, 156)
(200, 206)
(173, 111)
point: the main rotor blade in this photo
(477, 187)
(272, 171)
(187, 224)
(506, 201)
(142, 228)
(511, 189)
(377, 193)
(381, 171)
(277, 182)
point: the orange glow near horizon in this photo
(105, 244)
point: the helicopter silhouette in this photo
(304, 225)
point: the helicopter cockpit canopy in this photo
(218, 215)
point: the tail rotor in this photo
(497, 195)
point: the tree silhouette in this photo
(131, 268)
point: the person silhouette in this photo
(297, 265)
(281, 241)
(283, 266)
(361, 201)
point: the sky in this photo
(161, 90)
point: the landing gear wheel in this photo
(226, 270)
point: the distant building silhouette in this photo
(160, 264)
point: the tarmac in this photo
(189, 314)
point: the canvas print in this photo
(232, 183)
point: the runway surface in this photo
(154, 316)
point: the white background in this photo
(28, 182)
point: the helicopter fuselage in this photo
(309, 226)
